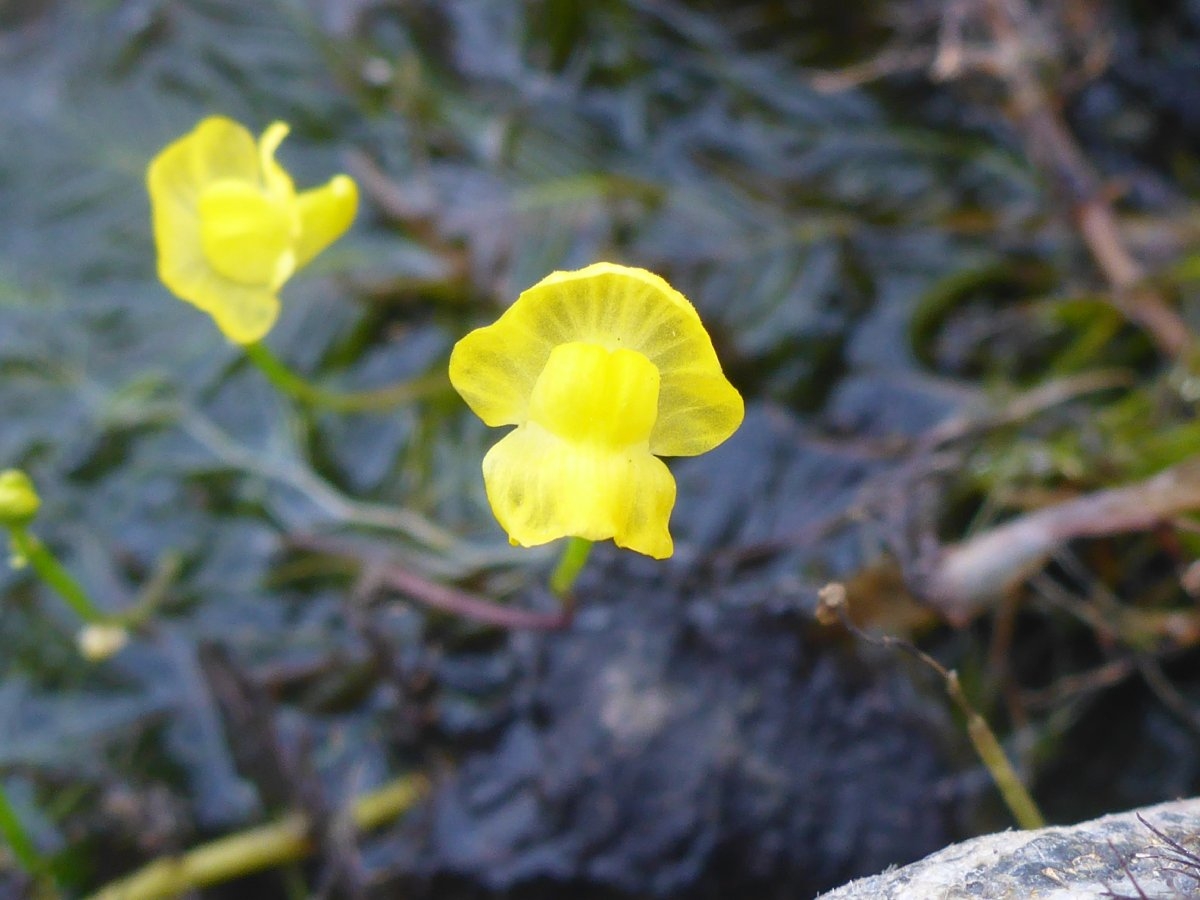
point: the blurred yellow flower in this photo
(230, 227)
(602, 370)
(19, 500)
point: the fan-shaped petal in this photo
(697, 411)
(495, 368)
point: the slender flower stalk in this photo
(832, 608)
(19, 505)
(296, 386)
(13, 830)
(570, 565)
(28, 550)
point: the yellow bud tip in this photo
(19, 501)
(97, 643)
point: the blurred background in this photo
(948, 251)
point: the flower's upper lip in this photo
(495, 368)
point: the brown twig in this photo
(966, 578)
(462, 603)
(1068, 687)
(379, 573)
(1053, 148)
(1016, 38)
(924, 455)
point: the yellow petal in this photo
(217, 149)
(542, 487)
(495, 368)
(325, 214)
(274, 177)
(247, 235)
(697, 410)
(245, 313)
(587, 394)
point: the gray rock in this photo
(1151, 853)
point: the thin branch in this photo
(1055, 151)
(832, 607)
(382, 573)
(967, 578)
(1067, 687)
(461, 603)
(1009, 57)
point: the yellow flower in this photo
(230, 227)
(602, 370)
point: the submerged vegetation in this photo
(948, 254)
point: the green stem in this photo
(983, 739)
(18, 838)
(154, 592)
(284, 841)
(296, 386)
(574, 558)
(28, 548)
(832, 607)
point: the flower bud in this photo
(98, 642)
(19, 501)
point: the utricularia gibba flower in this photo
(230, 227)
(601, 370)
